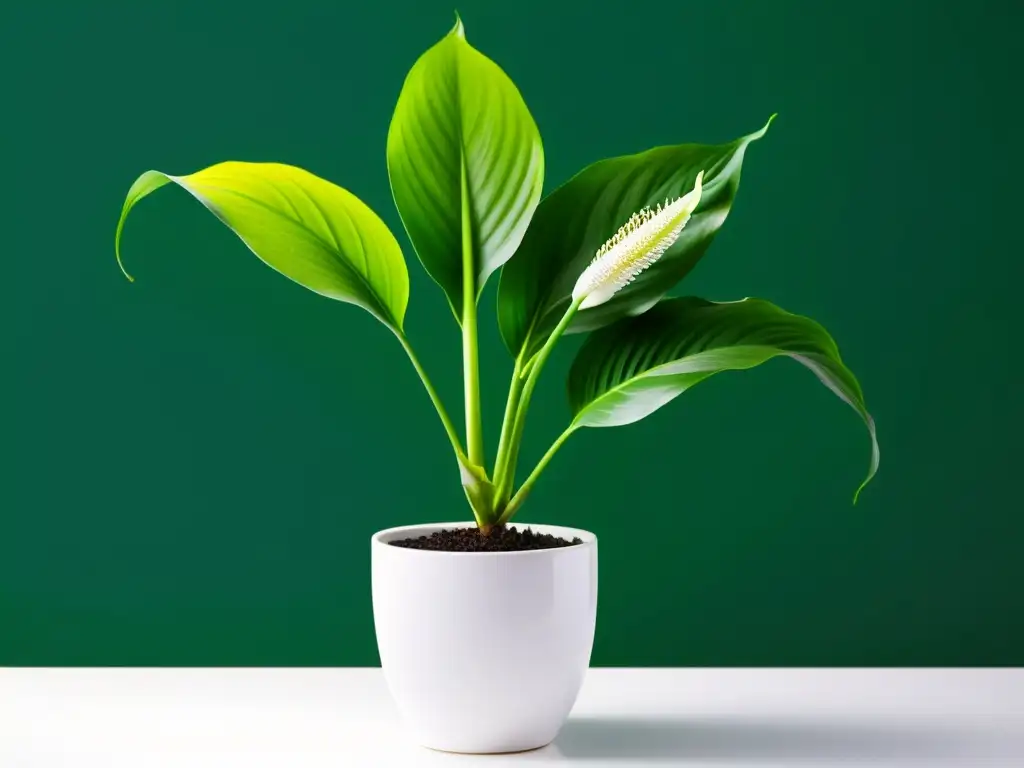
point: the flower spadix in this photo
(640, 242)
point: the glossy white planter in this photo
(484, 652)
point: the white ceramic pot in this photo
(484, 652)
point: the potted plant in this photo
(485, 630)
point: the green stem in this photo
(453, 436)
(470, 359)
(519, 422)
(524, 489)
(503, 480)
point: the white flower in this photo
(639, 243)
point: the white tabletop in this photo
(344, 718)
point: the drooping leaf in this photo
(630, 369)
(318, 234)
(466, 164)
(575, 220)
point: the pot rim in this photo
(383, 537)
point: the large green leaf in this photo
(577, 218)
(466, 165)
(319, 235)
(629, 370)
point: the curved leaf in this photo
(466, 164)
(629, 370)
(319, 235)
(572, 223)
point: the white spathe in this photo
(637, 244)
(484, 652)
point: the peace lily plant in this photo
(597, 255)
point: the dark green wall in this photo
(193, 464)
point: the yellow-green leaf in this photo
(308, 229)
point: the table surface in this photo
(342, 718)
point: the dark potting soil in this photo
(504, 539)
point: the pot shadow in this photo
(754, 741)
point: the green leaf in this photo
(629, 370)
(466, 165)
(319, 235)
(575, 220)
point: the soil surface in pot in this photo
(504, 539)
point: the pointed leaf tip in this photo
(875, 458)
(459, 29)
(117, 251)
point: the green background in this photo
(193, 464)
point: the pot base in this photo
(514, 751)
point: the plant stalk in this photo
(470, 356)
(449, 428)
(503, 479)
(524, 489)
(519, 422)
